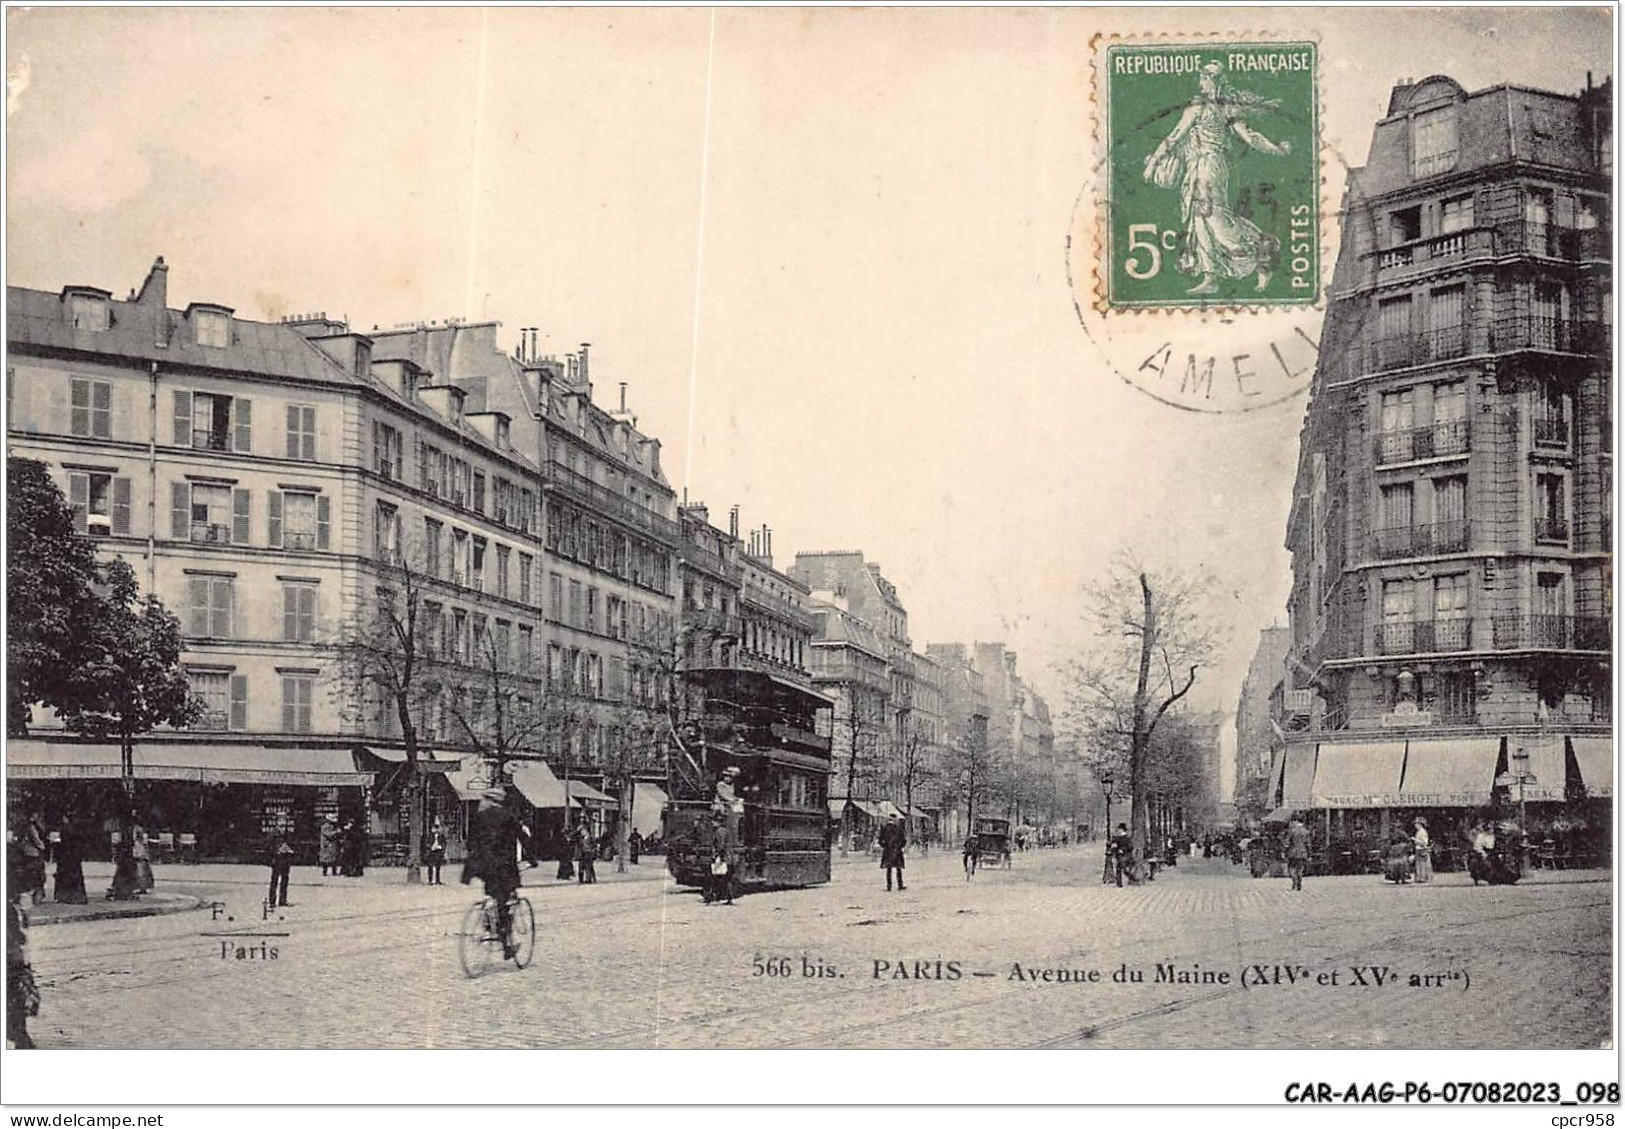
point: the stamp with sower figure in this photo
(1212, 176)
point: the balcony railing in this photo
(298, 540)
(1424, 636)
(1421, 540)
(1551, 431)
(211, 440)
(605, 500)
(1548, 334)
(1552, 529)
(1441, 249)
(211, 533)
(1446, 437)
(1574, 244)
(213, 720)
(1554, 632)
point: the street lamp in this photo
(1106, 788)
(1521, 773)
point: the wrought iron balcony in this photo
(298, 540)
(1552, 529)
(1553, 632)
(1424, 636)
(1551, 431)
(604, 500)
(1421, 540)
(211, 440)
(1446, 437)
(1529, 331)
(211, 532)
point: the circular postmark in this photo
(1195, 257)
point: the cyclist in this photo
(493, 856)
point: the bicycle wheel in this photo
(523, 931)
(474, 942)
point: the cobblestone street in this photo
(633, 962)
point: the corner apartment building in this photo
(266, 479)
(1450, 530)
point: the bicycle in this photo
(479, 945)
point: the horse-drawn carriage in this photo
(993, 841)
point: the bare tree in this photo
(1150, 639)
(384, 670)
(916, 762)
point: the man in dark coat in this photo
(892, 838)
(493, 857)
(281, 866)
(1297, 851)
(723, 859)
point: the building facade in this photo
(1258, 718)
(1450, 530)
(269, 481)
(863, 590)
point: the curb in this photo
(181, 904)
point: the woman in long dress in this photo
(1218, 242)
(70, 865)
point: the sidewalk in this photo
(100, 909)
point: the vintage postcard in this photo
(569, 530)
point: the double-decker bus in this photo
(769, 731)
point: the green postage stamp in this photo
(1212, 175)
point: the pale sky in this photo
(887, 356)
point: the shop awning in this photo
(1450, 773)
(867, 808)
(537, 784)
(206, 764)
(1548, 765)
(426, 762)
(1299, 777)
(1277, 769)
(889, 810)
(647, 803)
(468, 780)
(1594, 756)
(1279, 815)
(919, 813)
(1358, 774)
(586, 795)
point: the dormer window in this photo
(363, 360)
(211, 327)
(1433, 142)
(88, 310)
(502, 433)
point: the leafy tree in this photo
(51, 576)
(130, 679)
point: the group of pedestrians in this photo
(31, 849)
(341, 849)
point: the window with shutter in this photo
(324, 521)
(239, 701)
(240, 517)
(121, 507)
(273, 519)
(180, 494)
(183, 419)
(91, 402)
(79, 499)
(242, 417)
(298, 613)
(301, 419)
